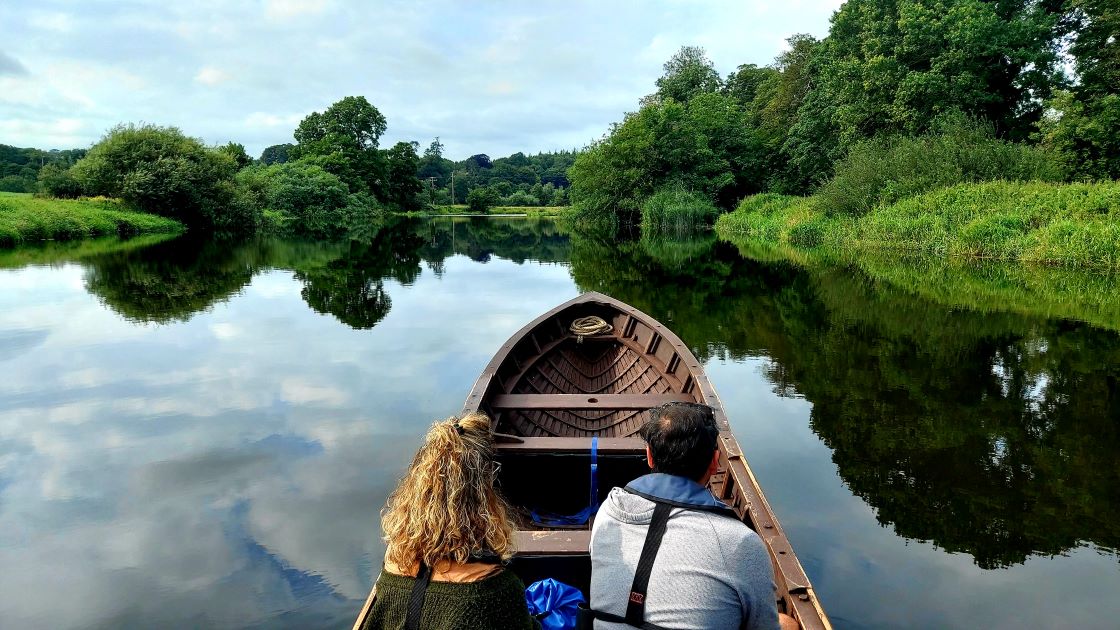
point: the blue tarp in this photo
(554, 603)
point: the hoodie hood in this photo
(635, 503)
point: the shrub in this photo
(303, 199)
(673, 208)
(519, 198)
(14, 183)
(884, 170)
(481, 199)
(161, 171)
(57, 181)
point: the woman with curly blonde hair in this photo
(448, 534)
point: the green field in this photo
(26, 219)
(1076, 225)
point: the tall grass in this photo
(1071, 224)
(779, 218)
(675, 209)
(24, 218)
(1066, 224)
(885, 170)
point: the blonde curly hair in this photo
(446, 508)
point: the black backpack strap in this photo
(416, 598)
(636, 607)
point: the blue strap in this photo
(594, 502)
(584, 515)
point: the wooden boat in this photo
(551, 391)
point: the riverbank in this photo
(24, 219)
(1076, 225)
(544, 212)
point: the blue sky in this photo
(486, 77)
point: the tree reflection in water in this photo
(987, 432)
(991, 434)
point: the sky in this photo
(485, 77)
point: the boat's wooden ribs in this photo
(581, 401)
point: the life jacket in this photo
(666, 492)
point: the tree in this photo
(58, 181)
(236, 152)
(481, 199)
(276, 154)
(434, 150)
(1083, 123)
(345, 137)
(688, 73)
(479, 161)
(162, 171)
(403, 186)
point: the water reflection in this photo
(224, 468)
(986, 433)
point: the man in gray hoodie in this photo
(709, 570)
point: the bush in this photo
(57, 181)
(301, 198)
(481, 199)
(161, 171)
(884, 170)
(673, 208)
(520, 199)
(16, 184)
(1072, 224)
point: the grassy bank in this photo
(24, 219)
(532, 211)
(1064, 224)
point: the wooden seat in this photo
(586, 401)
(553, 542)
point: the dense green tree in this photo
(344, 137)
(19, 167)
(688, 73)
(403, 186)
(434, 168)
(276, 154)
(705, 145)
(57, 181)
(481, 199)
(162, 171)
(236, 152)
(301, 198)
(478, 161)
(1083, 124)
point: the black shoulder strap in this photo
(636, 607)
(416, 598)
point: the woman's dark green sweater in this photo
(493, 603)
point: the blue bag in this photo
(554, 603)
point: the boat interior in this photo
(551, 392)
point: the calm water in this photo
(200, 434)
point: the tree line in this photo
(20, 167)
(335, 177)
(1041, 74)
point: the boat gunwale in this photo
(798, 591)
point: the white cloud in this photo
(265, 119)
(210, 75)
(288, 9)
(57, 22)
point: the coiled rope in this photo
(585, 326)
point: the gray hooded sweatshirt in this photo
(711, 572)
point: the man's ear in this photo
(649, 457)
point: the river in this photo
(200, 433)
